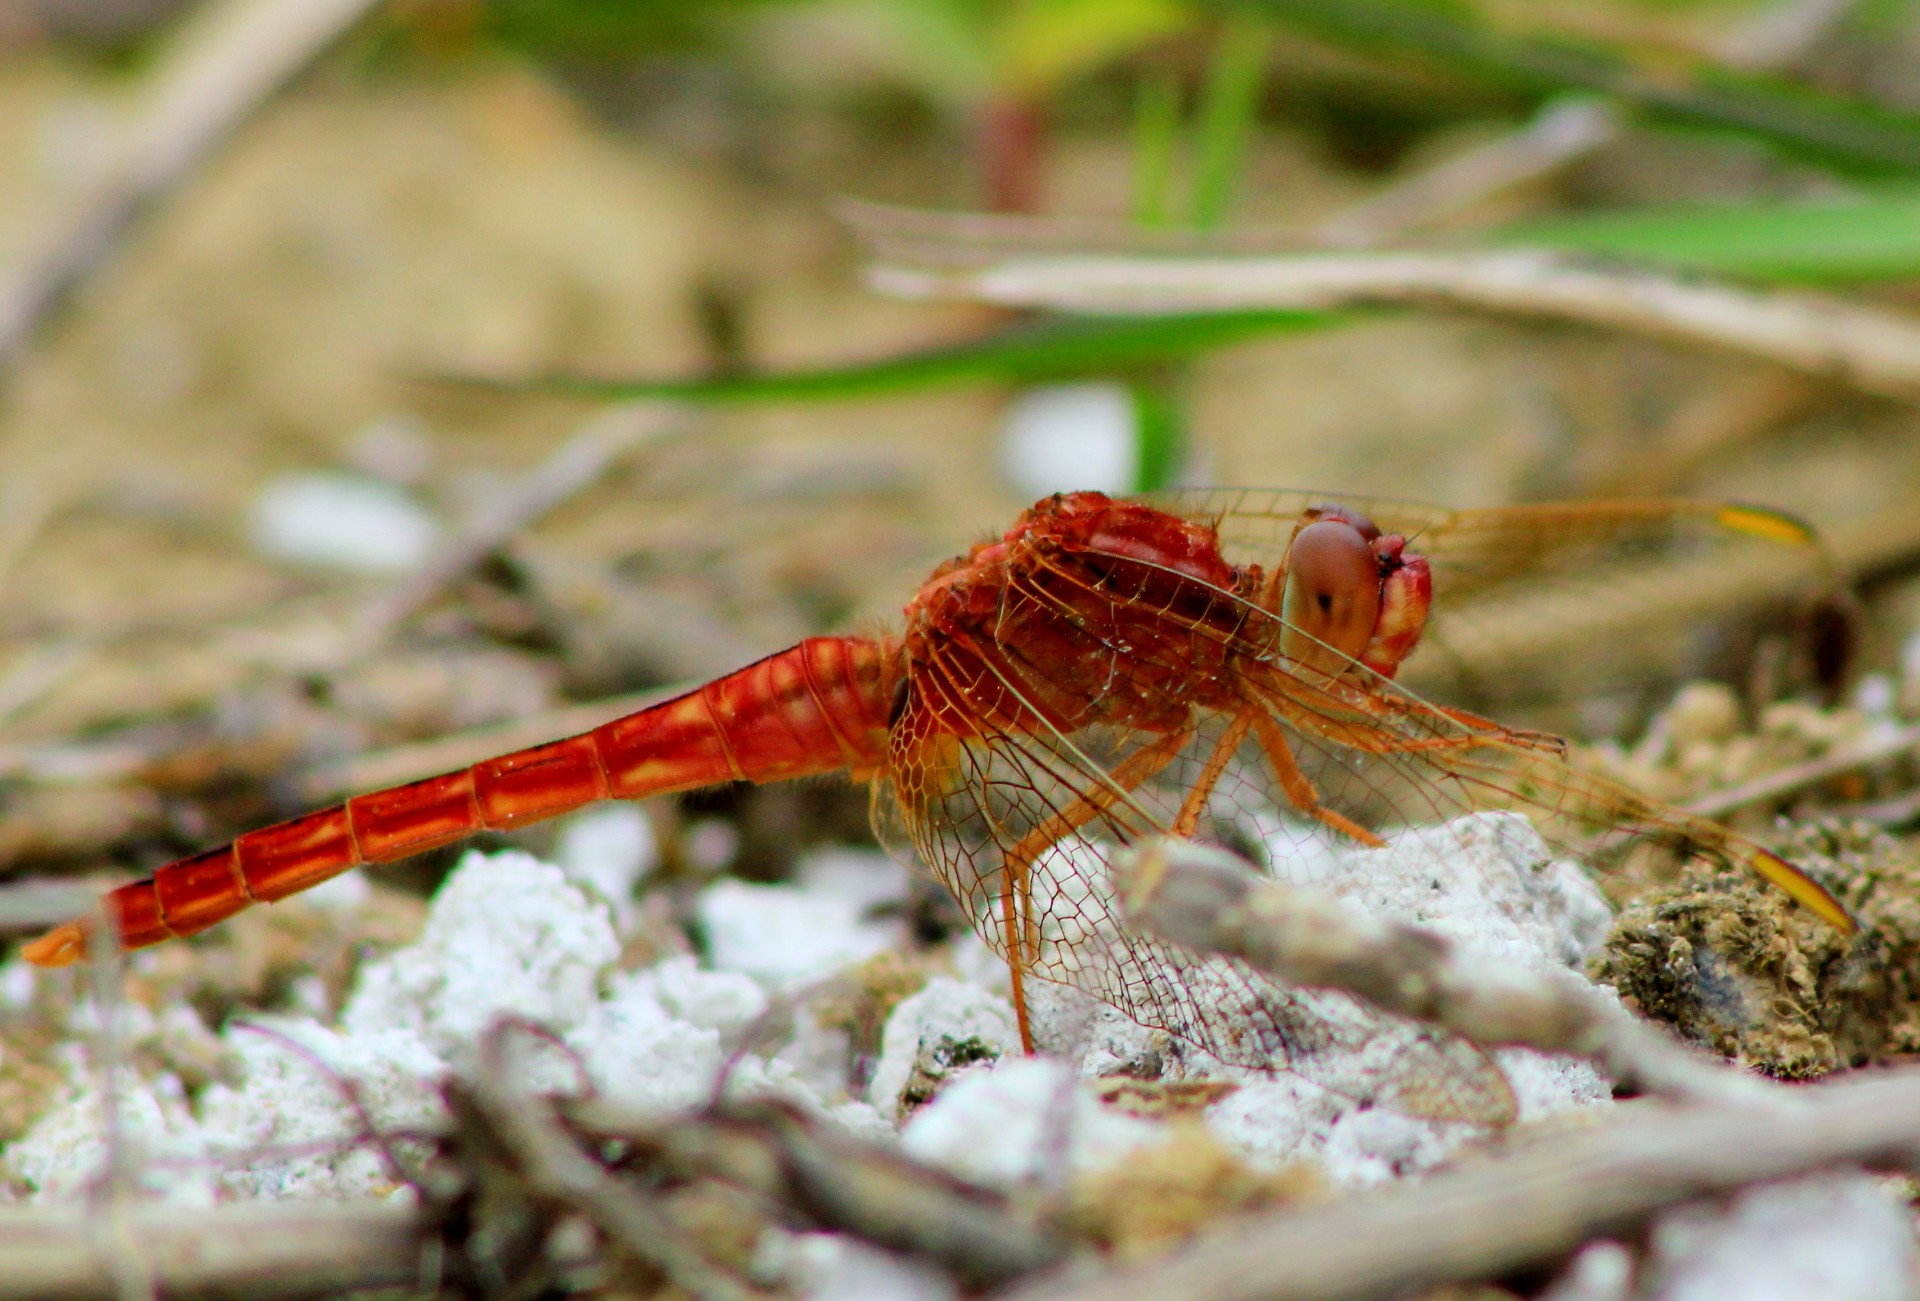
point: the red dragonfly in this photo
(1101, 672)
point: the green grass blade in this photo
(1873, 239)
(1160, 428)
(1054, 348)
(1156, 139)
(1836, 131)
(1228, 107)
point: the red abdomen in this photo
(818, 707)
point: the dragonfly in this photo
(1105, 670)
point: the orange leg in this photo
(1196, 800)
(1016, 921)
(1299, 791)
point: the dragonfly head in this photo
(1351, 594)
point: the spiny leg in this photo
(1196, 801)
(1299, 791)
(1136, 769)
(1327, 705)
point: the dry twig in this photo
(1500, 1215)
(214, 76)
(1563, 132)
(283, 1250)
(1799, 776)
(1209, 900)
(557, 1171)
(582, 461)
(1869, 348)
(835, 1182)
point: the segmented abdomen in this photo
(815, 708)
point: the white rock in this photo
(833, 1267)
(1025, 1119)
(1600, 1271)
(725, 1001)
(642, 1054)
(1835, 1236)
(17, 982)
(945, 1010)
(63, 1156)
(610, 849)
(868, 877)
(298, 1099)
(342, 521)
(1275, 1121)
(507, 935)
(1065, 437)
(1486, 880)
(783, 934)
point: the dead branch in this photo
(834, 1182)
(1562, 133)
(284, 1250)
(1209, 900)
(1799, 776)
(556, 1170)
(1872, 349)
(232, 60)
(582, 461)
(1503, 1214)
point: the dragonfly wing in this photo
(1557, 601)
(1381, 757)
(971, 810)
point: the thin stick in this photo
(214, 76)
(279, 1250)
(1562, 133)
(582, 461)
(1867, 347)
(558, 1171)
(1503, 1214)
(873, 1192)
(1209, 900)
(1786, 781)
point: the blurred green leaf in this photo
(1156, 139)
(1228, 106)
(1690, 91)
(967, 50)
(1871, 239)
(1043, 44)
(1160, 427)
(1055, 348)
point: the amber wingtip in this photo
(1774, 525)
(60, 947)
(1810, 894)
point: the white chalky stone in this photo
(1026, 1118)
(342, 521)
(948, 1009)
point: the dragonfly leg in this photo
(1016, 900)
(1298, 790)
(1196, 801)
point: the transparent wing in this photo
(972, 810)
(1539, 603)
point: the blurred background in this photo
(264, 540)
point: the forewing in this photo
(1373, 753)
(1543, 603)
(971, 808)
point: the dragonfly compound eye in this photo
(1332, 597)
